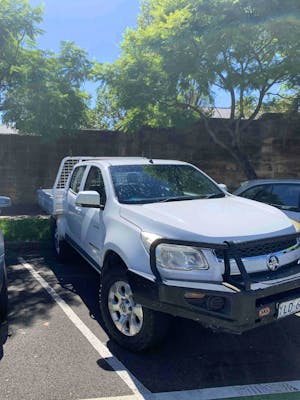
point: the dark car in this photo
(281, 193)
(4, 202)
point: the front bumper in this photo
(235, 305)
(239, 312)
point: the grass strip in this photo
(25, 229)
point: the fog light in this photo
(194, 295)
(263, 312)
(215, 303)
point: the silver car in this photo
(4, 202)
(281, 193)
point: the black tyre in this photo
(131, 325)
(3, 311)
(61, 247)
(3, 300)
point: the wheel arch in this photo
(113, 260)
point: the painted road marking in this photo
(221, 392)
(232, 391)
(130, 397)
(139, 390)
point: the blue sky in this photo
(96, 26)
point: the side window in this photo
(76, 179)
(281, 195)
(95, 182)
(287, 196)
(260, 193)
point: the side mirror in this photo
(88, 198)
(5, 202)
(223, 187)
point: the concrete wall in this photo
(27, 163)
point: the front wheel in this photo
(127, 322)
(3, 300)
(3, 311)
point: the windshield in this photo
(140, 184)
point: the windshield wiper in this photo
(215, 196)
(181, 198)
(178, 198)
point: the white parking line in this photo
(221, 392)
(130, 397)
(232, 391)
(138, 389)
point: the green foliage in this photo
(26, 229)
(18, 29)
(289, 105)
(40, 92)
(45, 97)
(184, 51)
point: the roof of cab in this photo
(112, 161)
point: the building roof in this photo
(7, 130)
(220, 112)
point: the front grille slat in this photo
(264, 249)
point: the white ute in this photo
(167, 240)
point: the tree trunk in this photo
(243, 160)
(240, 157)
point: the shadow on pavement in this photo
(191, 357)
(28, 301)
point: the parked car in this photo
(281, 193)
(167, 240)
(4, 202)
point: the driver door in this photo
(93, 227)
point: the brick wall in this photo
(27, 163)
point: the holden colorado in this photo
(169, 241)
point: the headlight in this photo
(296, 225)
(183, 258)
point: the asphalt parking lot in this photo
(48, 356)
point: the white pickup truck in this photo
(167, 240)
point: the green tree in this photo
(18, 29)
(40, 91)
(45, 96)
(184, 51)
